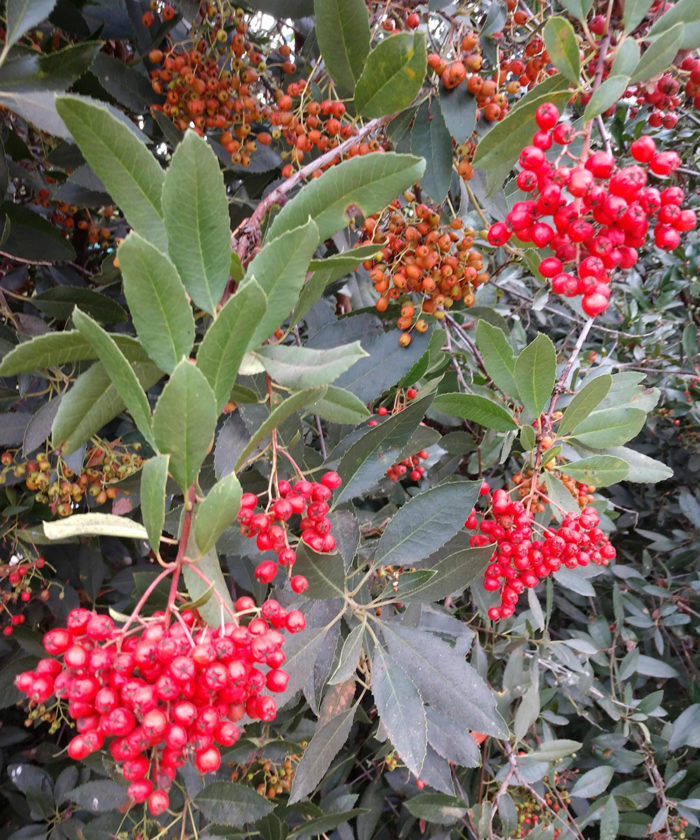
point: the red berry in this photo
(547, 116)
(299, 584)
(158, 802)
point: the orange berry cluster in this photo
(424, 257)
(56, 485)
(310, 125)
(582, 493)
(220, 82)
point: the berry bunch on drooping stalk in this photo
(601, 214)
(271, 526)
(312, 125)
(164, 694)
(409, 467)
(21, 579)
(520, 561)
(424, 263)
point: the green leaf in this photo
(426, 522)
(578, 8)
(227, 803)
(560, 498)
(37, 107)
(642, 468)
(53, 349)
(651, 667)
(553, 750)
(481, 410)
(560, 41)
(212, 610)
(91, 403)
(609, 820)
(158, 302)
(660, 53)
(593, 783)
(527, 438)
(392, 76)
(30, 235)
(686, 728)
(120, 372)
(303, 367)
(128, 170)
(607, 94)
(195, 212)
(498, 356)
(342, 32)
(685, 12)
(218, 510)
(321, 825)
(610, 427)
(346, 261)
(326, 743)
(599, 470)
(527, 712)
(280, 269)
(535, 372)
(453, 573)
(436, 808)
(588, 398)
(444, 679)
(302, 650)
(499, 149)
(626, 58)
(227, 339)
(634, 13)
(324, 572)
(184, 421)
(23, 15)
(31, 71)
(349, 656)
(94, 525)
(340, 406)
(451, 740)
(154, 477)
(400, 709)
(296, 402)
(59, 301)
(431, 140)
(459, 112)
(367, 182)
(368, 460)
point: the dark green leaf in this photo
(593, 783)
(34, 71)
(91, 403)
(184, 421)
(535, 372)
(498, 356)
(686, 728)
(21, 16)
(342, 31)
(37, 107)
(280, 269)
(610, 427)
(598, 470)
(124, 82)
(459, 112)
(227, 339)
(451, 740)
(609, 820)
(324, 572)
(431, 140)
(120, 372)
(158, 302)
(609, 93)
(302, 650)
(231, 804)
(453, 573)
(436, 808)
(218, 510)
(154, 477)
(561, 44)
(124, 165)
(366, 183)
(588, 398)
(303, 367)
(527, 712)
(479, 410)
(426, 522)
(368, 459)
(392, 76)
(301, 400)
(59, 301)
(31, 237)
(319, 826)
(349, 656)
(444, 679)
(99, 797)
(326, 743)
(195, 211)
(55, 349)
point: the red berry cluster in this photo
(665, 95)
(307, 499)
(520, 562)
(165, 693)
(20, 573)
(397, 471)
(604, 219)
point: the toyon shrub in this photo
(349, 415)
